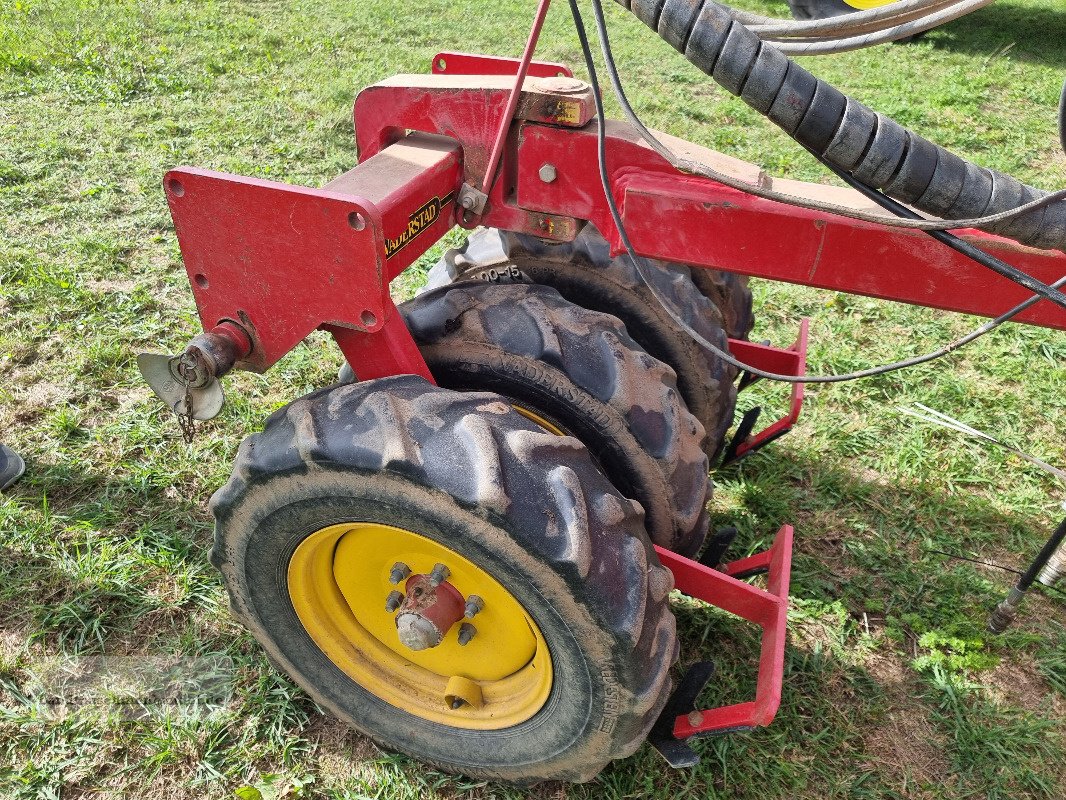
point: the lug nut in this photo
(439, 575)
(399, 572)
(473, 605)
(392, 602)
(458, 703)
(466, 633)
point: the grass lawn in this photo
(893, 689)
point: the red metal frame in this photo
(790, 361)
(452, 63)
(280, 261)
(767, 608)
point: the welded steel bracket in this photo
(767, 608)
(785, 361)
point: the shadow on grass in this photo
(1037, 35)
(92, 562)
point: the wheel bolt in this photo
(439, 575)
(466, 633)
(458, 703)
(474, 604)
(392, 602)
(400, 571)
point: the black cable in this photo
(984, 259)
(993, 565)
(638, 262)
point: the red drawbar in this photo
(767, 608)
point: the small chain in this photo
(185, 420)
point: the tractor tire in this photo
(343, 483)
(731, 295)
(577, 372)
(585, 274)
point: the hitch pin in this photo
(188, 383)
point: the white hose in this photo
(839, 34)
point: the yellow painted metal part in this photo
(863, 5)
(537, 419)
(338, 581)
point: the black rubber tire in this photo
(580, 370)
(585, 274)
(528, 507)
(731, 295)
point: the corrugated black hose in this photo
(869, 146)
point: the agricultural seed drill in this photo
(465, 548)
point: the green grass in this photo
(893, 690)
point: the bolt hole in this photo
(200, 280)
(175, 187)
(368, 319)
(417, 592)
(442, 64)
(357, 221)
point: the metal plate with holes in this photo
(282, 260)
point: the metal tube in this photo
(516, 93)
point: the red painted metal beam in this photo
(450, 63)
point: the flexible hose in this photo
(869, 146)
(641, 267)
(839, 34)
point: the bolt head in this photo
(474, 604)
(548, 173)
(393, 601)
(439, 575)
(466, 633)
(467, 202)
(399, 572)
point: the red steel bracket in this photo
(767, 608)
(791, 361)
(449, 63)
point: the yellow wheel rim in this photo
(864, 5)
(338, 582)
(537, 419)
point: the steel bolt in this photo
(466, 633)
(468, 202)
(458, 703)
(392, 602)
(399, 572)
(439, 575)
(548, 173)
(474, 604)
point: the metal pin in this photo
(399, 572)
(466, 633)
(439, 575)
(474, 604)
(392, 602)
